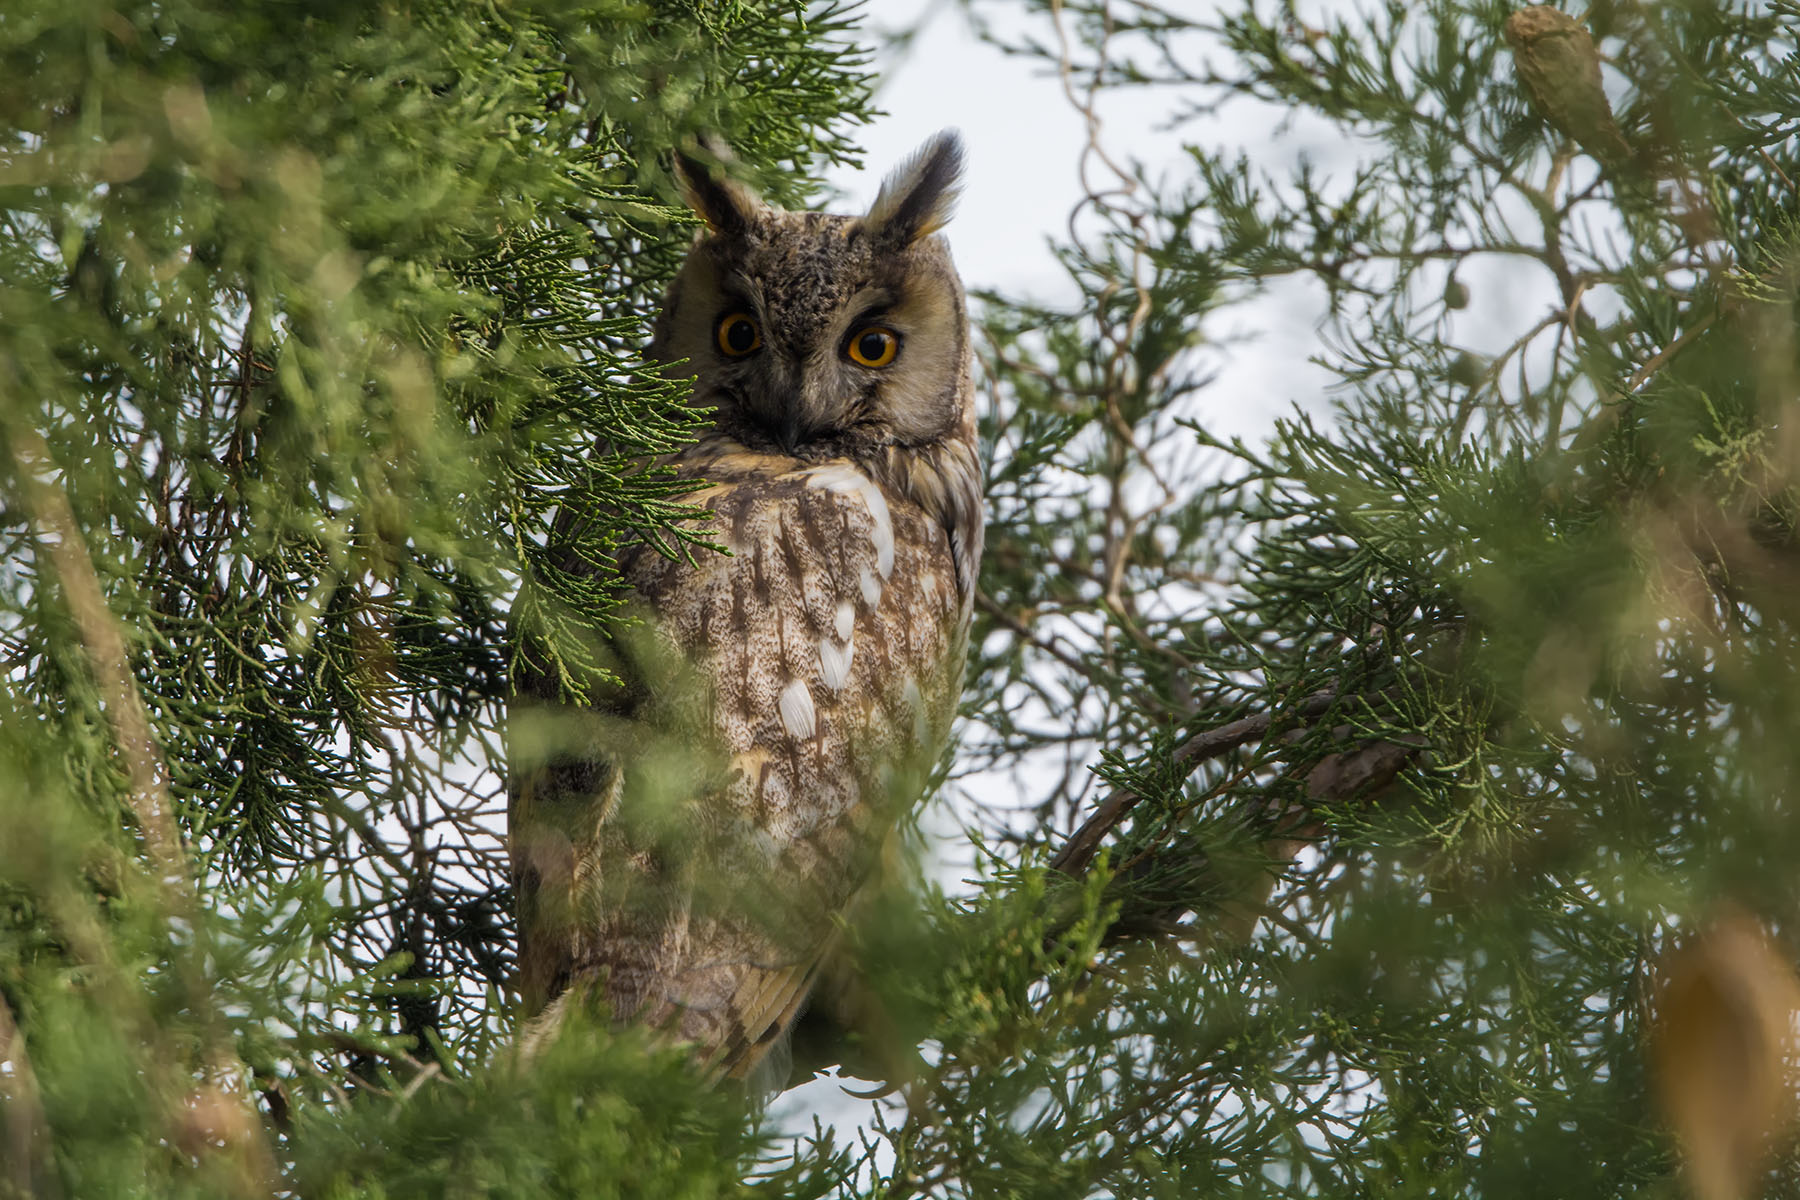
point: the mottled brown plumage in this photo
(683, 847)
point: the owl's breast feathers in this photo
(825, 638)
(825, 653)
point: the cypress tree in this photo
(1397, 805)
(310, 316)
(1412, 813)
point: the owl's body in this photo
(683, 849)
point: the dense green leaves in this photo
(1336, 797)
(310, 316)
(1538, 556)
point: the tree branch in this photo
(214, 1112)
(1078, 852)
(103, 646)
(26, 1155)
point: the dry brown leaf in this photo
(1722, 1048)
(1559, 68)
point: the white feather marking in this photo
(759, 842)
(843, 619)
(914, 699)
(871, 587)
(847, 480)
(834, 662)
(796, 708)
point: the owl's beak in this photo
(790, 432)
(787, 429)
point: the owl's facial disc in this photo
(824, 336)
(811, 341)
(828, 370)
(822, 374)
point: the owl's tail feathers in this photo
(541, 1029)
(752, 1045)
(745, 1039)
(850, 1025)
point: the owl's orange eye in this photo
(874, 346)
(737, 335)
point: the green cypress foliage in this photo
(1476, 683)
(310, 316)
(1394, 806)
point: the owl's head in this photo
(819, 336)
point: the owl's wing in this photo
(789, 701)
(764, 1008)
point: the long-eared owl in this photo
(684, 842)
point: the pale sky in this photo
(1023, 140)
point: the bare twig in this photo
(992, 608)
(25, 1168)
(1661, 358)
(103, 645)
(1079, 851)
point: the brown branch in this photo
(1661, 358)
(1078, 852)
(1340, 777)
(26, 1153)
(1364, 773)
(1336, 778)
(214, 1112)
(103, 645)
(822, 1036)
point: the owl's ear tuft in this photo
(726, 205)
(915, 201)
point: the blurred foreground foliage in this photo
(1474, 681)
(1351, 805)
(310, 315)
